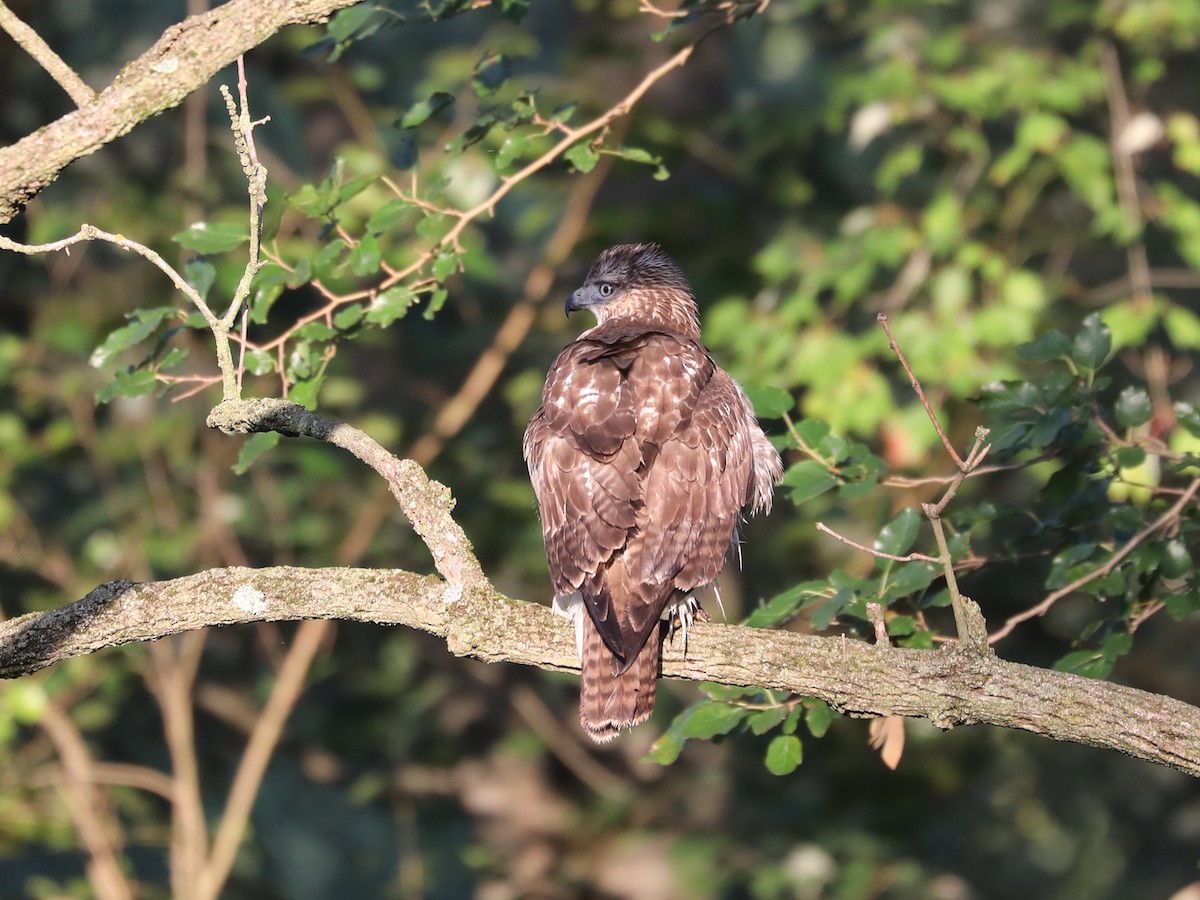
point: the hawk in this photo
(643, 456)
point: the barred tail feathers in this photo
(608, 702)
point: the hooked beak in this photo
(576, 302)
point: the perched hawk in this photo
(643, 455)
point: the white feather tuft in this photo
(570, 606)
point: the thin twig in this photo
(968, 620)
(879, 554)
(916, 386)
(904, 481)
(1166, 519)
(875, 617)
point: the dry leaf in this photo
(887, 736)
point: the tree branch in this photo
(182, 60)
(425, 502)
(945, 686)
(33, 44)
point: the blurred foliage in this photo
(1013, 185)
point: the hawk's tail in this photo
(608, 702)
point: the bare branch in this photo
(31, 42)
(878, 554)
(916, 386)
(182, 60)
(426, 503)
(947, 686)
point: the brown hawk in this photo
(643, 456)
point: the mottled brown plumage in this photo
(643, 456)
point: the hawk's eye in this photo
(605, 289)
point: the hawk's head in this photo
(636, 281)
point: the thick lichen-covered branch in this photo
(426, 503)
(946, 686)
(182, 60)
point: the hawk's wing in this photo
(583, 463)
(641, 451)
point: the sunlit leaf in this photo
(254, 447)
(807, 479)
(784, 754)
(212, 237)
(421, 111)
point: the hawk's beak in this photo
(576, 302)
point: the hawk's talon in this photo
(681, 614)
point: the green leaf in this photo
(315, 331)
(421, 111)
(200, 274)
(348, 316)
(710, 718)
(391, 305)
(784, 754)
(1093, 343)
(669, 745)
(813, 431)
(346, 22)
(437, 300)
(583, 157)
(145, 322)
(1188, 417)
(1130, 457)
(1050, 346)
(490, 73)
(768, 719)
(1176, 561)
(388, 216)
(445, 264)
(1180, 606)
(330, 259)
(1088, 663)
(305, 392)
(1183, 326)
(769, 402)
(27, 701)
(366, 256)
(512, 148)
(259, 362)
(783, 605)
(128, 383)
(256, 445)
(636, 154)
(433, 226)
(212, 237)
(807, 479)
(898, 535)
(819, 717)
(909, 578)
(1133, 407)
(353, 188)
